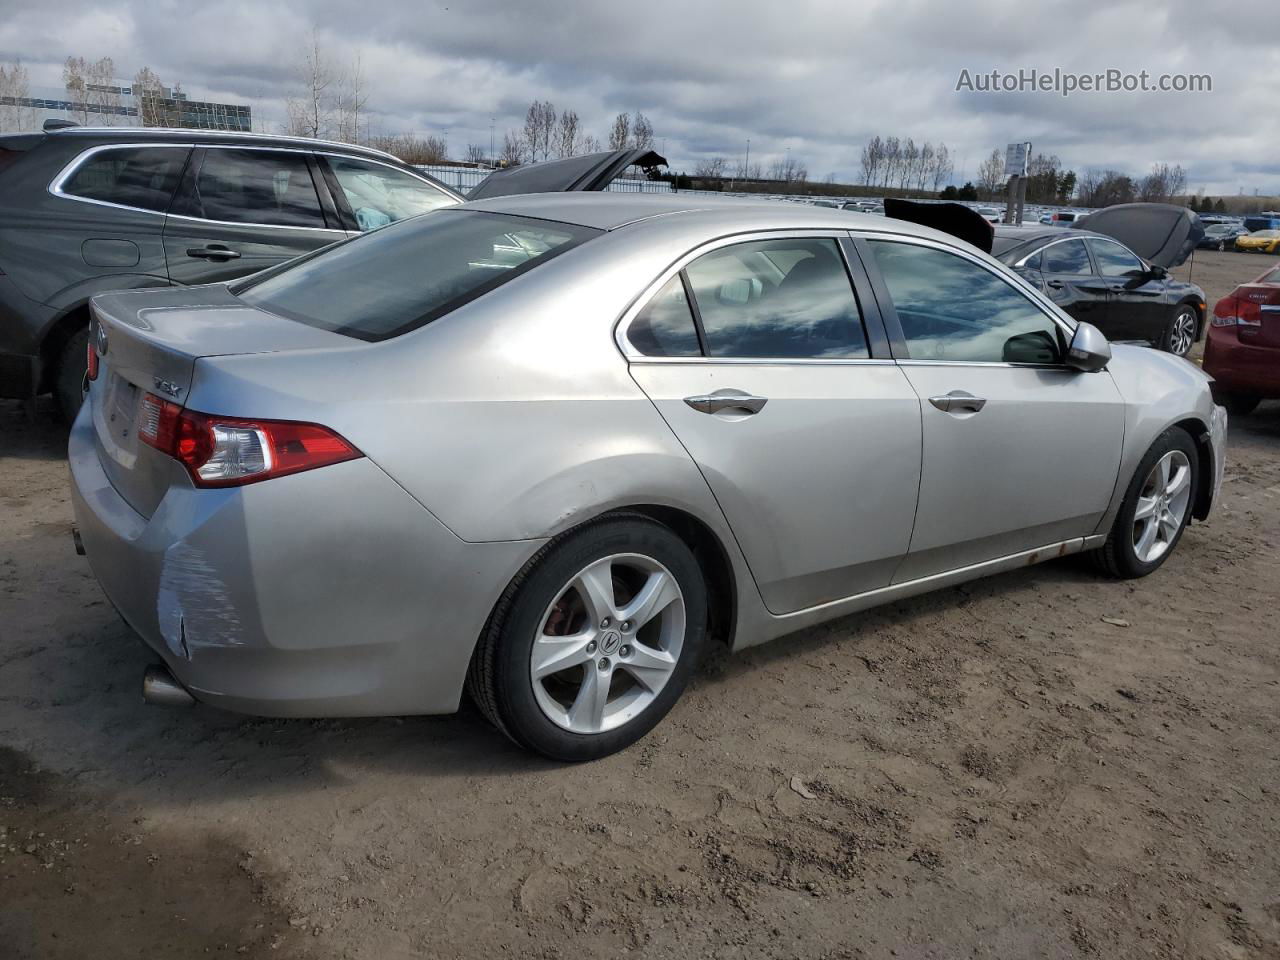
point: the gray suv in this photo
(83, 211)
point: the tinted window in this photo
(665, 328)
(135, 177)
(1114, 260)
(951, 308)
(777, 298)
(379, 195)
(398, 278)
(256, 186)
(1070, 256)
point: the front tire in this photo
(1180, 335)
(594, 641)
(1156, 508)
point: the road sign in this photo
(1016, 156)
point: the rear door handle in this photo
(726, 400)
(213, 252)
(958, 401)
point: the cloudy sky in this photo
(817, 76)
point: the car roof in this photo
(169, 134)
(613, 211)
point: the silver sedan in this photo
(543, 447)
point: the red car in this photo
(1242, 352)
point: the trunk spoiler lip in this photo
(956, 219)
(1163, 234)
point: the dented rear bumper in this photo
(325, 593)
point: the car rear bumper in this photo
(1241, 367)
(325, 593)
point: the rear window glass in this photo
(405, 275)
(142, 177)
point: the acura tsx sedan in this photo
(543, 447)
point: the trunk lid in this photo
(148, 343)
(1258, 304)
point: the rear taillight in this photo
(228, 451)
(91, 360)
(1236, 312)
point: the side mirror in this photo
(1089, 350)
(1159, 273)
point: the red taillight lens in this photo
(91, 360)
(1236, 312)
(229, 451)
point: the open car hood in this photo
(953, 218)
(592, 171)
(1160, 233)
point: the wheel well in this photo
(63, 329)
(722, 602)
(1204, 450)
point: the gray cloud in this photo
(818, 77)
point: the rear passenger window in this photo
(256, 186)
(143, 177)
(778, 298)
(1069, 256)
(665, 328)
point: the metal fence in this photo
(463, 179)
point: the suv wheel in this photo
(69, 377)
(1180, 336)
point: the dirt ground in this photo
(1040, 764)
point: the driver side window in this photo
(379, 194)
(953, 309)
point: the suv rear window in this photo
(405, 275)
(143, 177)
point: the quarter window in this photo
(143, 177)
(256, 186)
(665, 327)
(777, 299)
(379, 195)
(950, 308)
(1069, 256)
(1114, 260)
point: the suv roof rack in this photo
(57, 123)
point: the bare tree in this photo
(591, 145)
(311, 112)
(14, 83)
(641, 133)
(924, 168)
(892, 159)
(512, 149)
(620, 132)
(350, 102)
(74, 81)
(476, 154)
(410, 149)
(942, 166)
(991, 175)
(539, 129)
(567, 134)
(872, 160)
(1163, 183)
(710, 168)
(1102, 189)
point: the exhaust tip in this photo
(161, 689)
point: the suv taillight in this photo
(229, 451)
(1236, 312)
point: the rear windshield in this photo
(405, 275)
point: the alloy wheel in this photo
(1162, 506)
(1183, 335)
(608, 643)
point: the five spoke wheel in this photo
(608, 643)
(1162, 506)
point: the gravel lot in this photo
(1043, 763)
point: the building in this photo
(119, 105)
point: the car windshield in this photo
(405, 275)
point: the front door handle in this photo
(213, 252)
(958, 401)
(1054, 284)
(726, 400)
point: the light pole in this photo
(746, 163)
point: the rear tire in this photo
(1239, 404)
(561, 668)
(69, 376)
(1127, 554)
